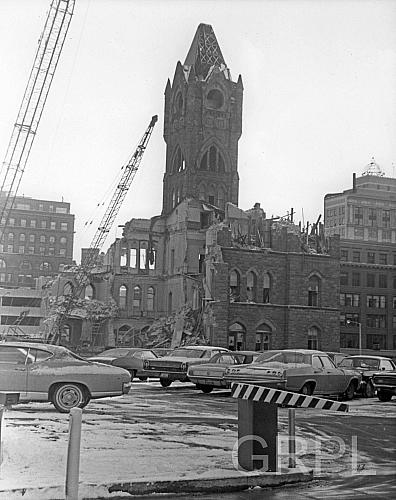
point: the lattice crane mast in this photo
(127, 176)
(47, 56)
(82, 276)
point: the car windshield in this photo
(360, 363)
(187, 353)
(269, 356)
(115, 352)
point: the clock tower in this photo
(202, 126)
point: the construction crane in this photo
(88, 263)
(25, 128)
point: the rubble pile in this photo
(161, 332)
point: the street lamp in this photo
(351, 322)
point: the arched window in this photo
(202, 191)
(124, 255)
(212, 160)
(123, 335)
(179, 163)
(263, 338)
(122, 297)
(151, 255)
(235, 286)
(236, 337)
(251, 286)
(137, 297)
(45, 266)
(211, 195)
(214, 99)
(3, 265)
(68, 288)
(10, 236)
(89, 292)
(221, 198)
(266, 288)
(173, 198)
(22, 237)
(313, 291)
(150, 298)
(313, 338)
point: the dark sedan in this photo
(210, 375)
(367, 365)
(130, 358)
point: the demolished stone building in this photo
(254, 282)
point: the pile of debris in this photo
(184, 327)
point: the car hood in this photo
(102, 359)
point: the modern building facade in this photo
(37, 241)
(365, 219)
(22, 313)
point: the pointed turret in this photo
(204, 52)
(202, 126)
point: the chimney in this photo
(354, 182)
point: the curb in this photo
(225, 484)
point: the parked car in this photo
(367, 365)
(385, 384)
(209, 375)
(174, 366)
(336, 357)
(130, 358)
(298, 370)
(43, 372)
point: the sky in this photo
(319, 82)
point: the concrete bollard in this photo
(73, 454)
(292, 438)
(6, 400)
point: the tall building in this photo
(365, 218)
(256, 282)
(37, 241)
(202, 126)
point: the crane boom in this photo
(36, 92)
(128, 174)
(81, 277)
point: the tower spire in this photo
(204, 52)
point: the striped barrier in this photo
(284, 398)
(258, 422)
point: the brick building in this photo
(37, 241)
(365, 219)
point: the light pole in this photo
(351, 322)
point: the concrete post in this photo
(292, 438)
(257, 435)
(73, 454)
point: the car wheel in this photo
(350, 392)
(384, 395)
(165, 382)
(369, 390)
(307, 390)
(68, 396)
(143, 379)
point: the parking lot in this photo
(180, 431)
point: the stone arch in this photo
(123, 296)
(178, 160)
(314, 336)
(222, 167)
(237, 336)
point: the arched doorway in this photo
(236, 337)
